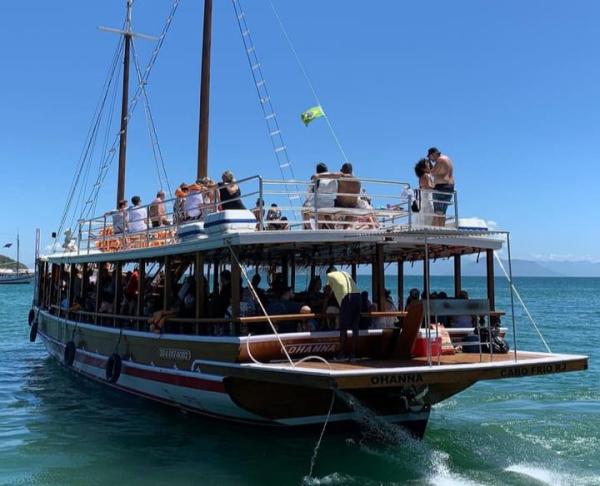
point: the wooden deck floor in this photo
(453, 359)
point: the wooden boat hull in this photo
(174, 379)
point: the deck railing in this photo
(293, 205)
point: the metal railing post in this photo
(410, 201)
(261, 203)
(456, 222)
(89, 235)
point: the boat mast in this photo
(205, 92)
(124, 108)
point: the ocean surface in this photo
(59, 429)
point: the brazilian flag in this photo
(312, 114)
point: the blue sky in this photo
(510, 90)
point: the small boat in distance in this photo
(165, 309)
(15, 275)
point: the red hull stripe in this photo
(177, 380)
(171, 379)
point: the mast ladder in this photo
(270, 116)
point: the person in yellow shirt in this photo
(348, 297)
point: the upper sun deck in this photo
(322, 211)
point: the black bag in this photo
(499, 345)
(415, 204)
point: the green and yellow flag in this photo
(312, 114)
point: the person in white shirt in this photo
(194, 201)
(137, 215)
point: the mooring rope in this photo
(516, 293)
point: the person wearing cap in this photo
(157, 211)
(137, 216)
(119, 217)
(443, 180)
(348, 297)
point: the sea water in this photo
(57, 428)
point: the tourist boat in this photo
(18, 275)
(143, 312)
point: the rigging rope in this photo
(156, 150)
(516, 292)
(307, 78)
(266, 105)
(132, 105)
(87, 149)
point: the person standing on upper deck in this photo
(158, 213)
(119, 218)
(348, 296)
(443, 179)
(138, 216)
(229, 192)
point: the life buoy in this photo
(113, 368)
(31, 316)
(69, 355)
(33, 331)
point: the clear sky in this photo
(509, 90)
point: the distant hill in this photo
(7, 262)
(520, 268)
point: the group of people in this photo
(328, 189)
(192, 202)
(436, 188)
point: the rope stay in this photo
(270, 116)
(518, 296)
(132, 105)
(106, 160)
(161, 171)
(87, 150)
(308, 80)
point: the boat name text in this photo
(306, 348)
(176, 354)
(541, 369)
(410, 378)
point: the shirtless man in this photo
(443, 180)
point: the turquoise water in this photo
(59, 429)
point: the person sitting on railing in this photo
(229, 192)
(194, 201)
(179, 215)
(423, 202)
(119, 217)
(158, 213)
(443, 178)
(137, 216)
(348, 188)
(324, 184)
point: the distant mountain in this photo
(7, 262)
(520, 268)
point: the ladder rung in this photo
(283, 166)
(268, 117)
(246, 33)
(260, 83)
(250, 49)
(255, 66)
(265, 100)
(241, 16)
(276, 132)
(280, 149)
(294, 196)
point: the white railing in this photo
(318, 204)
